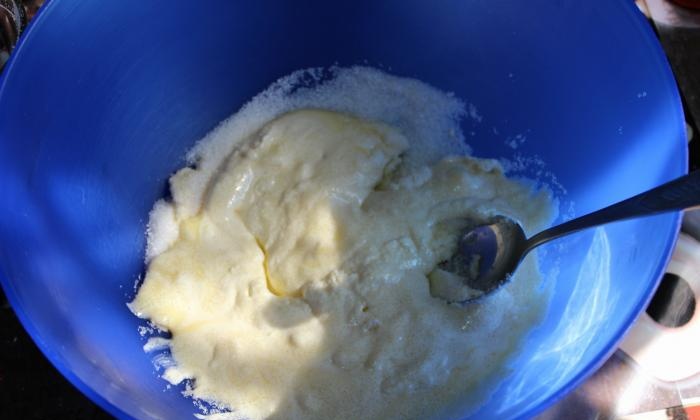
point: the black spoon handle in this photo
(680, 194)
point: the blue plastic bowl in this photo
(102, 99)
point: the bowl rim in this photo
(10, 294)
(646, 34)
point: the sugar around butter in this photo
(290, 266)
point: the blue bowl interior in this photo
(102, 100)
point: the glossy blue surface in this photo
(102, 99)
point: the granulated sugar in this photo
(291, 266)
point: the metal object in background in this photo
(14, 17)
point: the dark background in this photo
(30, 387)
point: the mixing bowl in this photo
(101, 100)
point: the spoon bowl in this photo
(486, 256)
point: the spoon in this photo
(489, 253)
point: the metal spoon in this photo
(488, 254)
